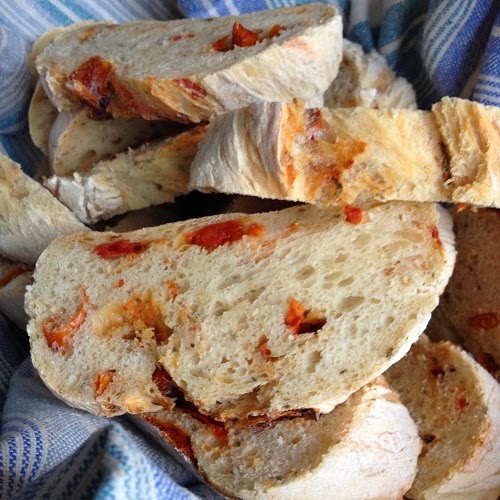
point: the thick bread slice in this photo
(365, 448)
(334, 157)
(470, 305)
(171, 70)
(77, 142)
(14, 278)
(41, 118)
(30, 217)
(329, 157)
(298, 309)
(456, 406)
(471, 135)
(150, 175)
(366, 80)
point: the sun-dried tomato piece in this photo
(13, 274)
(215, 235)
(243, 37)
(295, 316)
(265, 351)
(275, 30)
(177, 437)
(486, 321)
(353, 215)
(90, 82)
(120, 248)
(143, 308)
(101, 381)
(223, 44)
(164, 382)
(194, 89)
(462, 403)
(486, 360)
(58, 336)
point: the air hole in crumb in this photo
(350, 303)
(313, 359)
(305, 272)
(341, 257)
(346, 282)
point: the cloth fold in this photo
(49, 450)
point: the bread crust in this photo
(456, 405)
(471, 135)
(238, 292)
(366, 80)
(150, 175)
(14, 278)
(313, 41)
(30, 217)
(328, 157)
(469, 310)
(359, 156)
(365, 448)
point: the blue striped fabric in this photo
(48, 450)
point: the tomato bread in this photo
(30, 217)
(237, 309)
(365, 448)
(456, 406)
(206, 65)
(358, 156)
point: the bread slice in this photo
(334, 157)
(248, 315)
(183, 70)
(456, 406)
(365, 448)
(470, 305)
(150, 175)
(329, 157)
(30, 217)
(471, 136)
(366, 80)
(41, 118)
(77, 142)
(14, 278)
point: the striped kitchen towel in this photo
(49, 450)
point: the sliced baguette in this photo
(329, 157)
(334, 157)
(41, 118)
(365, 448)
(456, 406)
(366, 80)
(295, 314)
(30, 217)
(14, 278)
(77, 142)
(171, 70)
(471, 136)
(150, 175)
(470, 305)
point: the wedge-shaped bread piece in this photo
(41, 117)
(150, 175)
(471, 135)
(329, 157)
(14, 278)
(249, 314)
(365, 448)
(30, 217)
(469, 310)
(186, 70)
(77, 142)
(366, 80)
(456, 406)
